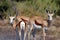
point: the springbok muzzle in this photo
(11, 20)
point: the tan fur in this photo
(19, 19)
(38, 19)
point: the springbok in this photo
(11, 18)
(50, 16)
(22, 23)
(38, 22)
(29, 24)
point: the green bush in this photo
(29, 7)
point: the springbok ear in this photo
(47, 11)
(54, 11)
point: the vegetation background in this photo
(29, 7)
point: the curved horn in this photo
(15, 10)
(14, 7)
(9, 14)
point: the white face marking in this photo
(12, 19)
(36, 26)
(50, 16)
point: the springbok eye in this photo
(14, 19)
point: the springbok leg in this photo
(29, 36)
(25, 35)
(17, 34)
(20, 34)
(31, 27)
(44, 34)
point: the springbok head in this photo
(50, 14)
(12, 18)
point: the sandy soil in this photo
(10, 34)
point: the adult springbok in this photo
(50, 16)
(37, 22)
(29, 24)
(22, 23)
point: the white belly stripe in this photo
(36, 26)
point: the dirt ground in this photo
(8, 33)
